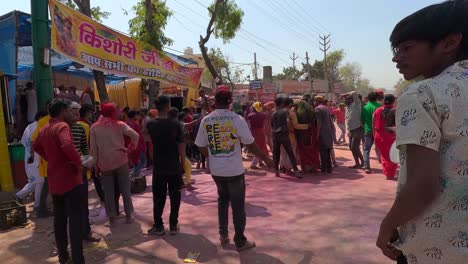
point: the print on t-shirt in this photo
(222, 135)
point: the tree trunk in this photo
(209, 65)
(99, 78)
(153, 91)
(101, 86)
(204, 40)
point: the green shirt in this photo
(367, 115)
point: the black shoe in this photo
(174, 230)
(154, 231)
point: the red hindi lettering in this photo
(130, 50)
(88, 35)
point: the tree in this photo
(401, 84)
(225, 21)
(350, 75)
(222, 65)
(289, 73)
(364, 87)
(84, 6)
(96, 13)
(334, 60)
(148, 26)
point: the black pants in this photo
(42, 208)
(161, 183)
(325, 159)
(97, 186)
(232, 190)
(86, 229)
(286, 143)
(68, 210)
(355, 139)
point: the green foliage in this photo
(228, 20)
(289, 73)
(350, 74)
(96, 13)
(334, 60)
(150, 29)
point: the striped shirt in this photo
(79, 139)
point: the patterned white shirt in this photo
(434, 113)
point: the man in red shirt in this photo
(55, 144)
(340, 115)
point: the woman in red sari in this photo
(257, 120)
(384, 137)
(306, 134)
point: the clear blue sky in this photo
(360, 27)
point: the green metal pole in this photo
(40, 42)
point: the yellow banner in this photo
(98, 47)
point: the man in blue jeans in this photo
(219, 138)
(367, 117)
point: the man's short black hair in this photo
(57, 105)
(185, 110)
(288, 101)
(198, 110)
(433, 24)
(86, 109)
(389, 99)
(223, 97)
(162, 102)
(279, 101)
(173, 113)
(40, 114)
(372, 96)
(132, 113)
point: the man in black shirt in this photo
(280, 131)
(168, 159)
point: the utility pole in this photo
(40, 42)
(255, 66)
(324, 47)
(294, 58)
(255, 74)
(309, 71)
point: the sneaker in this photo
(247, 245)
(154, 231)
(277, 174)
(254, 167)
(174, 230)
(368, 170)
(224, 240)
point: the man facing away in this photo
(367, 116)
(168, 140)
(325, 134)
(430, 210)
(81, 139)
(280, 131)
(55, 144)
(219, 138)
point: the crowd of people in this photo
(217, 135)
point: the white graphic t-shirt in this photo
(434, 114)
(222, 131)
